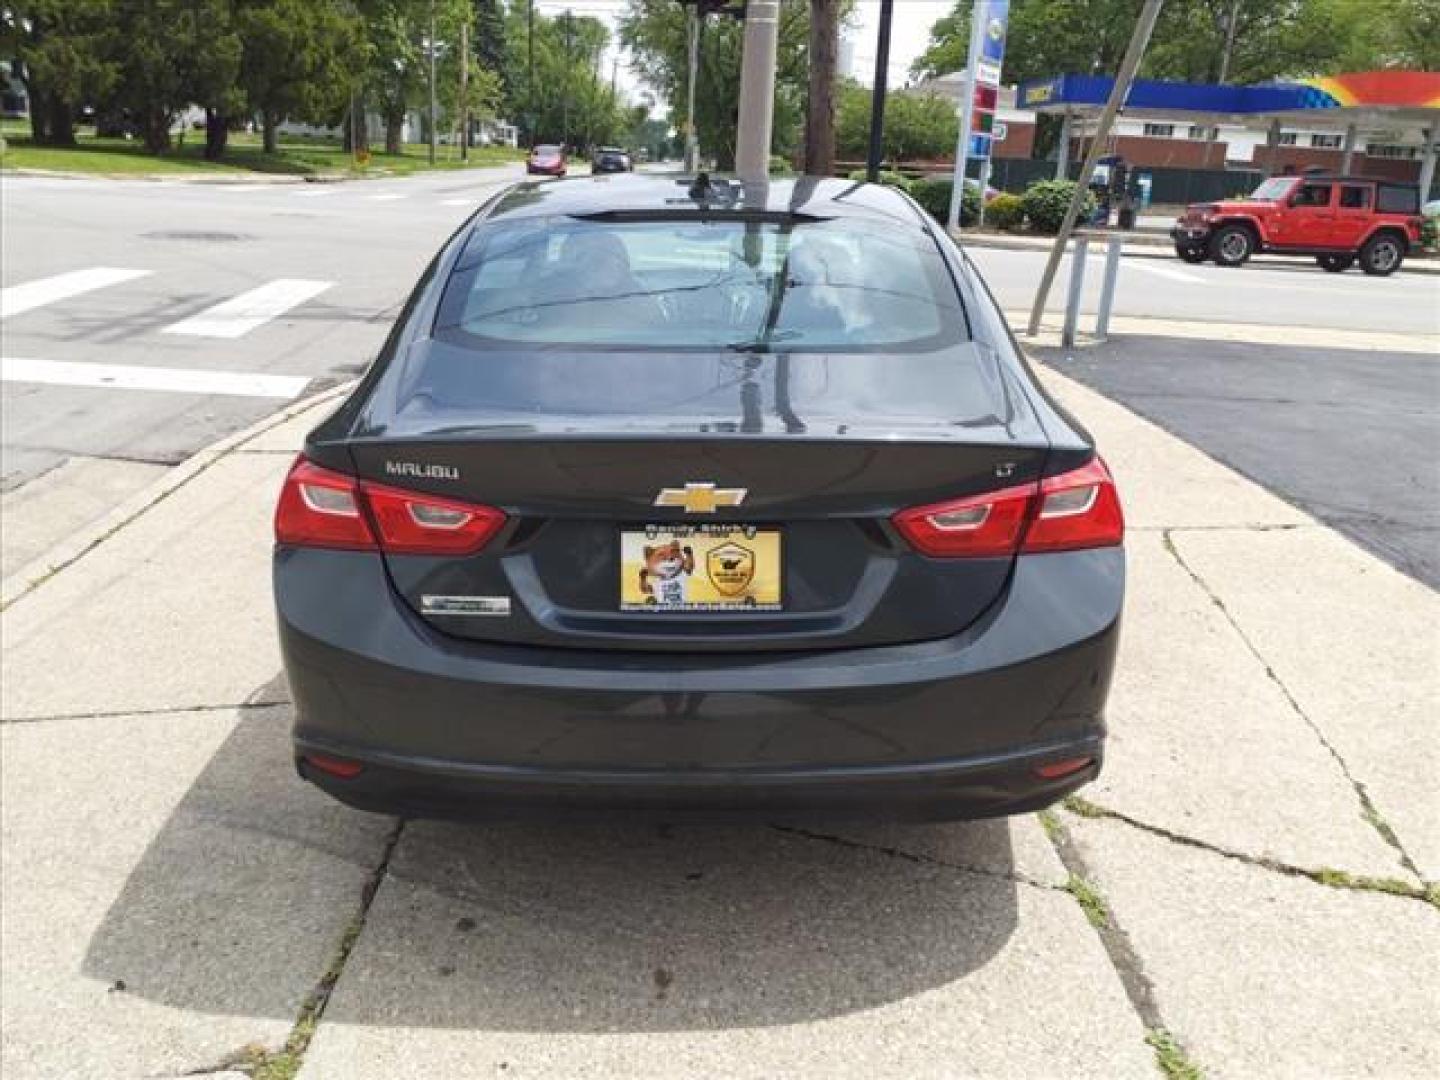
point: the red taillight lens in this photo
(1078, 509)
(321, 508)
(1055, 770)
(414, 524)
(983, 525)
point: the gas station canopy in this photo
(1406, 97)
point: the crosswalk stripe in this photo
(132, 377)
(15, 299)
(457, 202)
(387, 197)
(314, 193)
(241, 187)
(239, 315)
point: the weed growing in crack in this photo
(1170, 1056)
(1090, 901)
(1051, 824)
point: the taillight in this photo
(1078, 509)
(979, 526)
(321, 508)
(414, 524)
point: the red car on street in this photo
(546, 160)
(1338, 220)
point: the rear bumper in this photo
(939, 729)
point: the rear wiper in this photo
(762, 343)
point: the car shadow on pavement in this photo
(239, 905)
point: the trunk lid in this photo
(825, 448)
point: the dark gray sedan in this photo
(683, 497)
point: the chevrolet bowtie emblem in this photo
(703, 498)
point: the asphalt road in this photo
(334, 261)
(1351, 437)
(1292, 292)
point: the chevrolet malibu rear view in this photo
(668, 497)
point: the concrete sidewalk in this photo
(1249, 888)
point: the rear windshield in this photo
(844, 285)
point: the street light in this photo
(698, 9)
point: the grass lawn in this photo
(296, 157)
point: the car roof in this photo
(1334, 178)
(637, 193)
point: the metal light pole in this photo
(967, 116)
(877, 98)
(757, 90)
(430, 46)
(464, 91)
(692, 137)
(530, 72)
(565, 97)
(1144, 26)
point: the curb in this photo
(1136, 246)
(70, 551)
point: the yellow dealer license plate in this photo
(700, 568)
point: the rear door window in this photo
(1312, 195)
(693, 283)
(1355, 197)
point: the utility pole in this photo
(757, 90)
(430, 45)
(692, 137)
(565, 97)
(464, 90)
(530, 71)
(877, 97)
(820, 110)
(1144, 26)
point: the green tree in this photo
(569, 99)
(301, 59)
(654, 32)
(61, 51)
(1195, 40)
(918, 127)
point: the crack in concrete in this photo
(1326, 876)
(1124, 958)
(1368, 811)
(915, 857)
(166, 711)
(1289, 526)
(264, 1064)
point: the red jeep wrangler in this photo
(1337, 219)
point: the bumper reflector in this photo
(1055, 770)
(334, 766)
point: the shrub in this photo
(1046, 201)
(934, 196)
(1430, 233)
(1005, 211)
(780, 166)
(888, 177)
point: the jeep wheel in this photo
(1232, 245)
(1382, 255)
(1191, 253)
(1335, 264)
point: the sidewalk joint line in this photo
(915, 857)
(1119, 949)
(1368, 811)
(285, 1063)
(169, 710)
(1328, 877)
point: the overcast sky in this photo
(910, 33)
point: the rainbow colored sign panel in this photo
(1362, 89)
